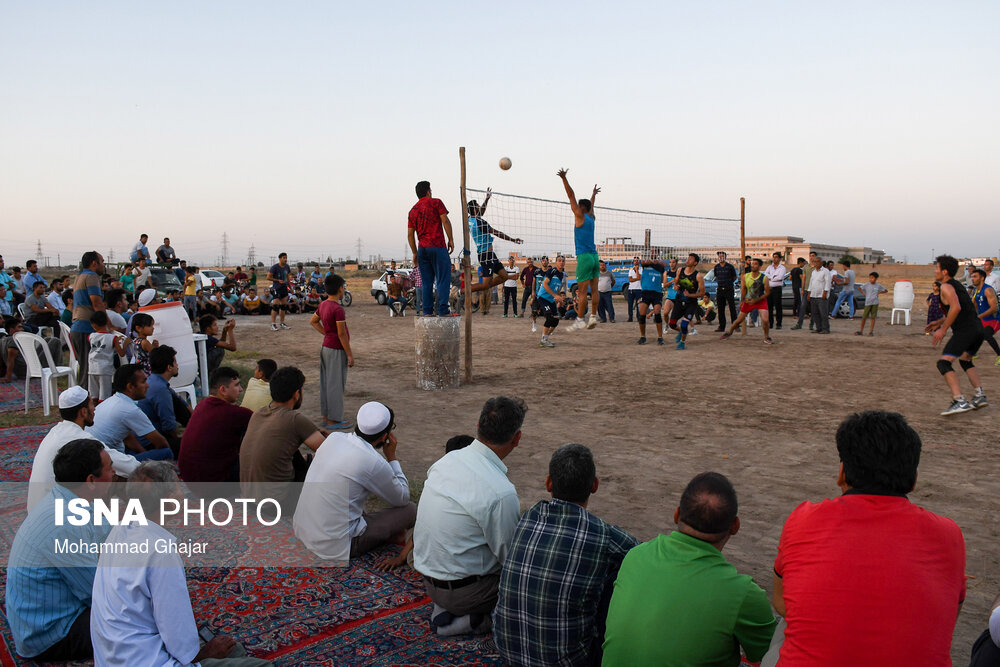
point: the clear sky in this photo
(304, 125)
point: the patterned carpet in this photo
(12, 395)
(291, 615)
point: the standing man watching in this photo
(510, 287)
(967, 335)
(587, 261)
(992, 278)
(278, 275)
(820, 284)
(143, 275)
(775, 273)
(796, 275)
(527, 278)
(428, 223)
(804, 304)
(87, 298)
(605, 287)
(725, 278)
(634, 287)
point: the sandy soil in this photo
(654, 417)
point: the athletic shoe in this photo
(506, 316)
(872, 333)
(641, 341)
(593, 322)
(726, 335)
(285, 326)
(546, 343)
(957, 406)
(659, 341)
(796, 327)
(979, 401)
(534, 328)
(681, 346)
(274, 326)
(720, 330)
(677, 338)
(778, 327)
(577, 324)
(769, 341)
(858, 333)
(692, 331)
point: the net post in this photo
(743, 236)
(467, 271)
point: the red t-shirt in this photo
(869, 580)
(210, 446)
(331, 312)
(425, 217)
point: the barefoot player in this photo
(549, 296)
(494, 272)
(754, 289)
(966, 336)
(587, 262)
(690, 285)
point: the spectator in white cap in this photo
(330, 518)
(146, 297)
(76, 407)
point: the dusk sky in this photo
(302, 126)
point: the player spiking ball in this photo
(494, 272)
(588, 264)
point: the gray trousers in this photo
(332, 380)
(382, 525)
(820, 314)
(236, 658)
(81, 345)
(476, 598)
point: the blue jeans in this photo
(155, 455)
(844, 294)
(435, 272)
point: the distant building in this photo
(793, 247)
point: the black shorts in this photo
(652, 297)
(489, 263)
(966, 340)
(549, 310)
(688, 308)
(279, 291)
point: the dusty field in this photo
(654, 417)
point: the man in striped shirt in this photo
(557, 578)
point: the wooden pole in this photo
(743, 229)
(467, 270)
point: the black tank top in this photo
(686, 283)
(967, 318)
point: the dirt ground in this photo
(765, 416)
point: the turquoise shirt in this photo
(480, 230)
(584, 236)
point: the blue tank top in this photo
(480, 230)
(982, 304)
(555, 277)
(584, 236)
(652, 278)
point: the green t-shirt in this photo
(678, 601)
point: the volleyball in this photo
(505, 163)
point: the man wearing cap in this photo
(465, 522)
(146, 297)
(330, 518)
(87, 298)
(76, 407)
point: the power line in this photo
(225, 250)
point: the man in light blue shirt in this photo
(119, 421)
(465, 522)
(49, 593)
(140, 249)
(32, 276)
(7, 282)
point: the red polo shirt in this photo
(425, 217)
(869, 580)
(210, 446)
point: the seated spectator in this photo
(67, 313)
(49, 593)
(258, 393)
(239, 276)
(210, 448)
(6, 305)
(986, 649)
(32, 276)
(76, 407)
(54, 297)
(869, 577)
(206, 306)
(395, 295)
(181, 271)
(552, 614)
(42, 313)
(142, 611)
(678, 601)
(269, 454)
(232, 301)
(312, 301)
(214, 347)
(465, 522)
(10, 356)
(331, 519)
(165, 409)
(139, 249)
(251, 303)
(119, 422)
(165, 253)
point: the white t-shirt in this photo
(141, 276)
(993, 280)
(102, 350)
(635, 278)
(512, 273)
(775, 274)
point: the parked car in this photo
(210, 278)
(380, 285)
(164, 280)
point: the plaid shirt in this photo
(556, 584)
(415, 276)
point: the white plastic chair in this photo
(904, 315)
(28, 343)
(25, 311)
(64, 336)
(183, 382)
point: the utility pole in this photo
(359, 250)
(224, 260)
(38, 252)
(252, 256)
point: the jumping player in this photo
(494, 272)
(539, 277)
(587, 262)
(985, 298)
(754, 289)
(549, 296)
(690, 285)
(278, 275)
(652, 296)
(966, 336)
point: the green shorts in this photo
(588, 266)
(871, 311)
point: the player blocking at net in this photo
(494, 272)
(588, 264)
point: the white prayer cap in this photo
(72, 397)
(373, 417)
(146, 296)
